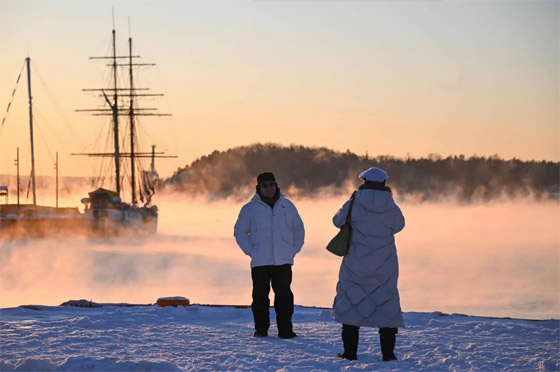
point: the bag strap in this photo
(349, 215)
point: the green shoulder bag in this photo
(341, 241)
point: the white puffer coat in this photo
(366, 293)
(270, 236)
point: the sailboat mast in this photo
(17, 163)
(56, 168)
(138, 187)
(28, 60)
(131, 115)
(115, 109)
(153, 165)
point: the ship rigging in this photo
(105, 207)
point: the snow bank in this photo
(88, 364)
(200, 338)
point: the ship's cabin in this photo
(102, 199)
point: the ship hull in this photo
(35, 222)
(131, 221)
(38, 227)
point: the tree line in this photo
(308, 170)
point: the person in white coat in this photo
(270, 231)
(366, 293)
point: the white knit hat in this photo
(374, 174)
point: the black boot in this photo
(260, 333)
(287, 335)
(387, 339)
(350, 339)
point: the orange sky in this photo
(399, 78)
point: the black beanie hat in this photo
(266, 176)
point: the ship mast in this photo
(17, 164)
(115, 110)
(131, 116)
(28, 61)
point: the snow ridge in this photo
(200, 338)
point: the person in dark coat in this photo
(366, 293)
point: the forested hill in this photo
(306, 171)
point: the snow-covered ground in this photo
(201, 338)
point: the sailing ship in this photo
(105, 210)
(105, 214)
(32, 220)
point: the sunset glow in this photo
(398, 78)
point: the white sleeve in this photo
(298, 231)
(242, 229)
(339, 218)
(398, 220)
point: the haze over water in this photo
(493, 259)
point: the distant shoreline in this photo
(124, 304)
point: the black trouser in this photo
(351, 329)
(351, 336)
(281, 279)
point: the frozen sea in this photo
(499, 259)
